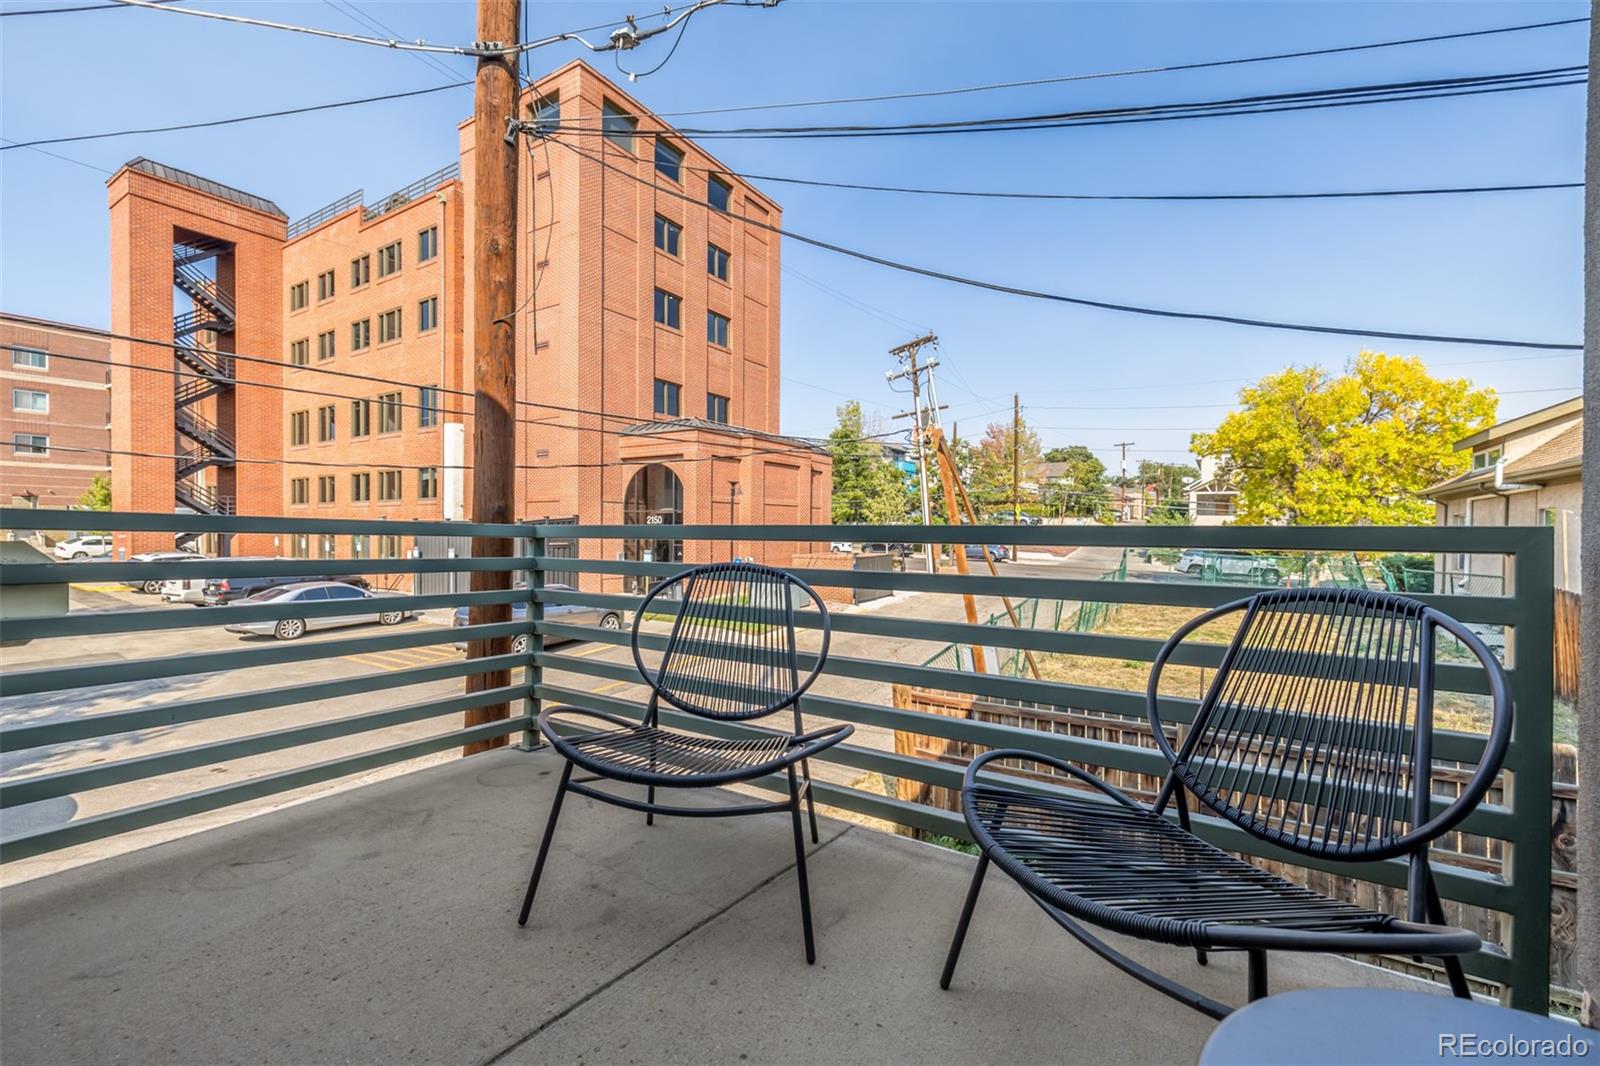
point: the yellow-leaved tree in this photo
(1313, 448)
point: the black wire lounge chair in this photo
(1315, 724)
(731, 657)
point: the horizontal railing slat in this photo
(96, 572)
(102, 775)
(87, 727)
(100, 826)
(1489, 609)
(55, 679)
(133, 522)
(146, 620)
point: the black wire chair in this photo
(731, 656)
(1311, 736)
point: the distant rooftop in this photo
(205, 185)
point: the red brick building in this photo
(647, 343)
(55, 419)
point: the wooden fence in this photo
(1567, 648)
(1459, 849)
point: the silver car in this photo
(154, 585)
(365, 606)
(573, 614)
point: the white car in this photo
(841, 546)
(93, 546)
(365, 606)
(154, 585)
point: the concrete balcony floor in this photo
(379, 925)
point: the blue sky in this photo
(1504, 265)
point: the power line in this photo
(212, 123)
(68, 10)
(1155, 198)
(1083, 301)
(1061, 78)
(1268, 103)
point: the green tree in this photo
(1081, 488)
(1314, 448)
(97, 497)
(990, 478)
(867, 487)
(1166, 481)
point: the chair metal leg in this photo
(811, 799)
(1200, 956)
(1452, 963)
(544, 845)
(1258, 974)
(966, 920)
(800, 866)
(650, 816)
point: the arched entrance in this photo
(654, 498)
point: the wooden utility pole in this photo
(907, 354)
(1122, 484)
(494, 222)
(1016, 465)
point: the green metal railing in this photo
(1521, 819)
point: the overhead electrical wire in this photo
(1267, 103)
(1105, 305)
(1097, 75)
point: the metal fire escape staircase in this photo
(203, 372)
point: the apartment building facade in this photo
(647, 342)
(55, 421)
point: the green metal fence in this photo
(1522, 821)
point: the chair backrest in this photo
(732, 652)
(1319, 720)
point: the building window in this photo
(427, 406)
(361, 335)
(669, 161)
(618, 125)
(327, 489)
(427, 314)
(325, 346)
(1485, 459)
(300, 352)
(669, 309)
(299, 294)
(389, 259)
(300, 492)
(325, 423)
(360, 487)
(719, 194)
(389, 326)
(388, 484)
(300, 428)
(359, 544)
(668, 234)
(360, 271)
(360, 418)
(32, 400)
(30, 444)
(717, 262)
(30, 358)
(717, 329)
(389, 407)
(547, 114)
(300, 546)
(667, 395)
(428, 483)
(388, 547)
(716, 408)
(427, 244)
(330, 546)
(325, 285)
